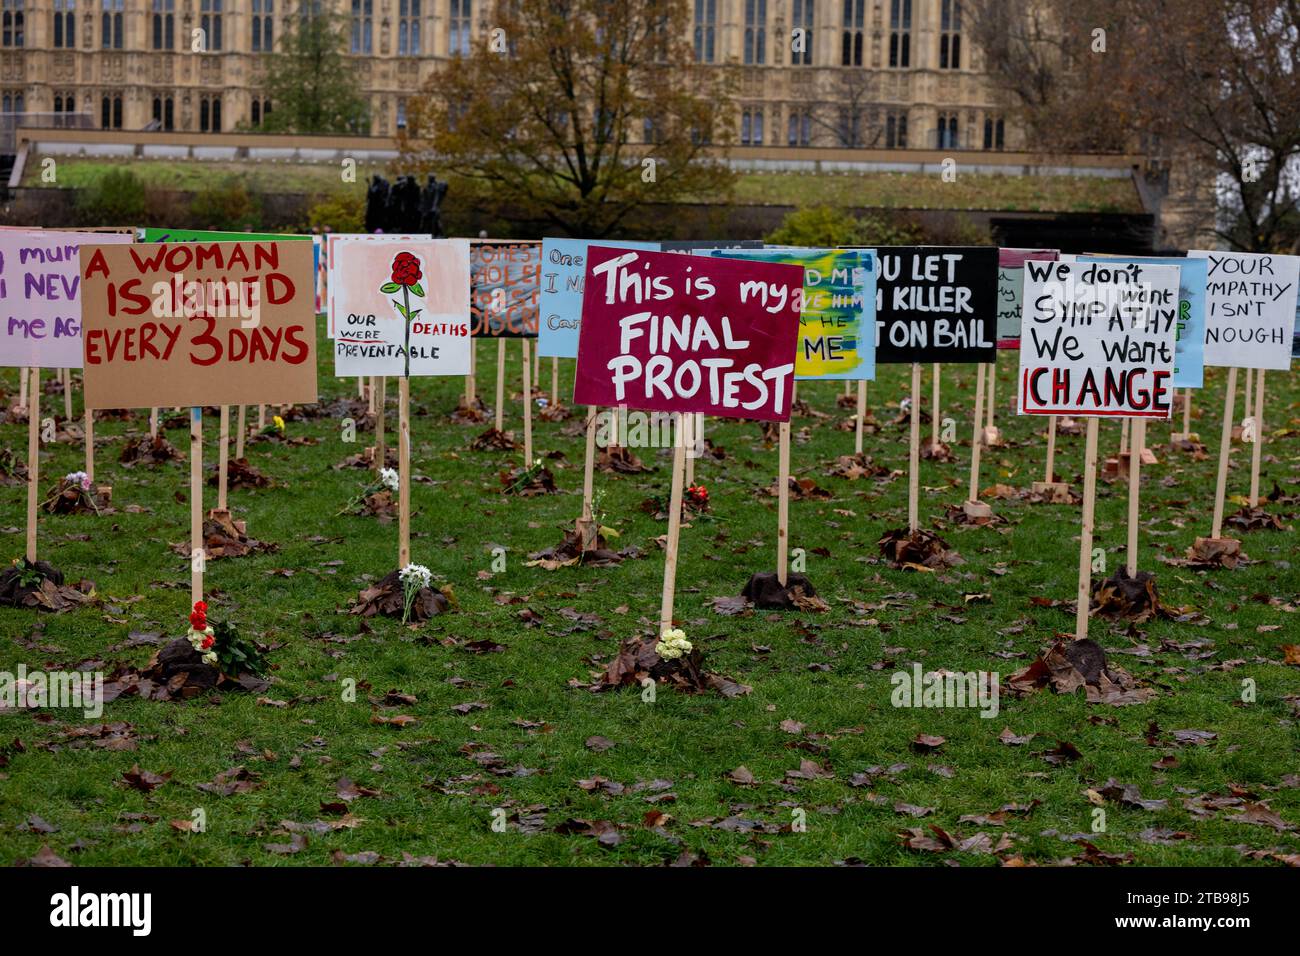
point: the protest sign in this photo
(396, 299)
(564, 268)
(40, 296)
(1098, 339)
(198, 323)
(1189, 344)
(505, 286)
(836, 310)
(331, 266)
(936, 304)
(663, 332)
(1011, 282)
(1251, 308)
(705, 247)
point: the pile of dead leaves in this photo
(801, 489)
(932, 450)
(766, 592)
(637, 660)
(557, 412)
(357, 409)
(1057, 493)
(223, 537)
(149, 450)
(366, 459)
(1211, 553)
(1068, 665)
(495, 440)
(40, 586)
(71, 498)
(568, 553)
(381, 504)
(618, 459)
(1132, 599)
(240, 474)
(857, 466)
(469, 414)
(527, 482)
(1191, 447)
(387, 599)
(918, 551)
(12, 470)
(1255, 519)
(177, 672)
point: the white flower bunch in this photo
(673, 644)
(79, 478)
(204, 642)
(415, 576)
(388, 478)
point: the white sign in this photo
(1251, 308)
(1098, 339)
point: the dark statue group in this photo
(405, 207)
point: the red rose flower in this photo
(201, 607)
(198, 621)
(208, 642)
(406, 269)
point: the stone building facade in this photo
(881, 74)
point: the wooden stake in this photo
(223, 457)
(674, 531)
(587, 531)
(1187, 413)
(783, 503)
(934, 407)
(1051, 449)
(528, 405)
(240, 430)
(261, 417)
(914, 461)
(1085, 531)
(198, 557)
(993, 383)
(471, 385)
(67, 395)
(1248, 400)
(1256, 451)
(862, 417)
(153, 422)
(537, 368)
(23, 375)
(555, 380)
(370, 394)
(688, 436)
(90, 444)
(33, 456)
(1225, 443)
(977, 438)
(1134, 492)
(404, 472)
(501, 382)
(380, 410)
(1123, 436)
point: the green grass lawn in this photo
(821, 682)
(882, 190)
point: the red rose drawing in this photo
(406, 269)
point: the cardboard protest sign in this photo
(505, 288)
(1251, 308)
(331, 264)
(225, 323)
(40, 296)
(1098, 339)
(1189, 347)
(564, 268)
(402, 297)
(1011, 283)
(936, 304)
(151, 234)
(673, 333)
(706, 246)
(837, 310)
